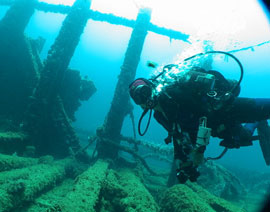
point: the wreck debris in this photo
(86, 190)
(103, 189)
(20, 79)
(130, 151)
(221, 182)
(61, 52)
(161, 152)
(45, 185)
(11, 142)
(172, 34)
(8, 162)
(17, 17)
(46, 111)
(124, 191)
(191, 198)
(155, 147)
(110, 18)
(121, 101)
(157, 156)
(218, 204)
(74, 89)
(25, 184)
(18, 68)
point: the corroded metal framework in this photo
(56, 64)
(110, 18)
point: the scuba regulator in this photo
(141, 90)
(150, 104)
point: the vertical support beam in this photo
(120, 105)
(17, 72)
(47, 123)
(17, 17)
(62, 51)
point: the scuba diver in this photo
(193, 104)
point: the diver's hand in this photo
(181, 176)
(168, 139)
(187, 173)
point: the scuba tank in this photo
(226, 96)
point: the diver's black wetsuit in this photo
(241, 110)
(183, 105)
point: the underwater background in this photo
(241, 26)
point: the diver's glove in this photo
(168, 139)
(172, 135)
(181, 176)
(187, 173)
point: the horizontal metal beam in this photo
(6, 2)
(110, 18)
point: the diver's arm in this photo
(161, 119)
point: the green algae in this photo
(182, 198)
(123, 191)
(138, 198)
(50, 200)
(12, 135)
(219, 204)
(43, 184)
(23, 185)
(8, 162)
(192, 198)
(85, 193)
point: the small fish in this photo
(151, 64)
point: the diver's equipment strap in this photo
(230, 55)
(206, 81)
(148, 123)
(218, 157)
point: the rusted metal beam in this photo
(110, 18)
(47, 121)
(17, 63)
(17, 17)
(120, 105)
